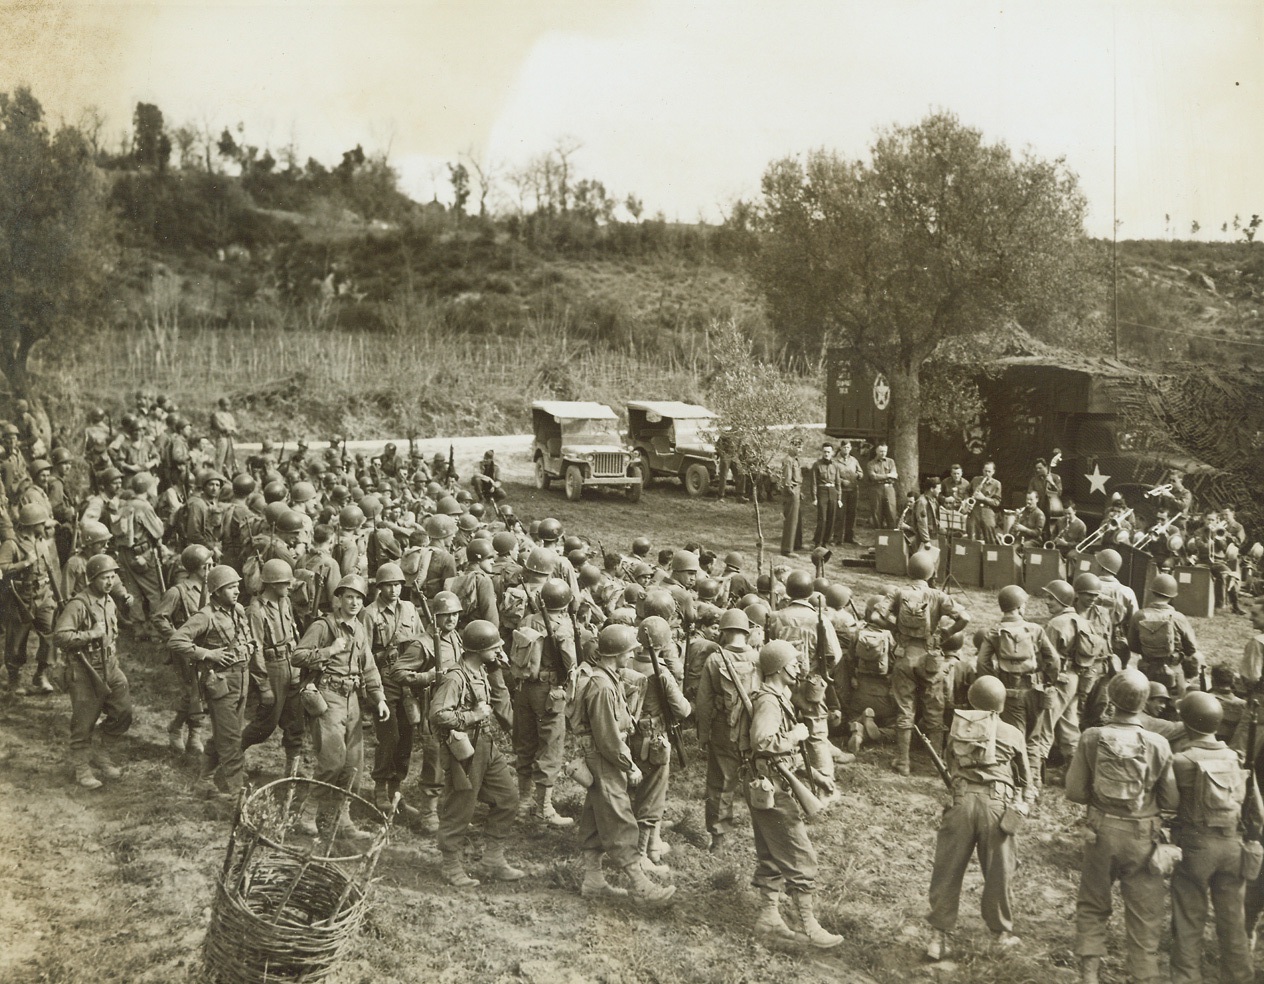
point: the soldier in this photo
(351, 550)
(824, 495)
(475, 768)
(201, 515)
(1164, 639)
(784, 855)
(178, 605)
(791, 484)
(88, 630)
(920, 666)
(1232, 707)
(986, 492)
(272, 672)
(607, 824)
(1119, 599)
(395, 633)
(132, 451)
(223, 430)
(723, 725)
(241, 525)
(486, 479)
(220, 639)
(96, 442)
(445, 647)
(1019, 654)
(1029, 525)
(883, 475)
(1213, 789)
(138, 538)
(103, 507)
(64, 503)
(320, 576)
(27, 589)
(926, 515)
(1069, 531)
(474, 585)
(987, 761)
(867, 676)
(429, 566)
(850, 473)
(543, 660)
(337, 658)
(1123, 774)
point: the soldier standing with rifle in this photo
(29, 604)
(176, 607)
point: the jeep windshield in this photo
(695, 433)
(595, 432)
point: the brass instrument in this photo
(1111, 526)
(1163, 490)
(967, 505)
(1159, 530)
(1050, 545)
(1006, 539)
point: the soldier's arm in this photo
(182, 641)
(258, 668)
(161, 615)
(673, 695)
(74, 629)
(985, 659)
(1185, 639)
(486, 595)
(702, 704)
(960, 617)
(445, 712)
(1167, 793)
(1079, 777)
(1050, 658)
(311, 651)
(373, 680)
(606, 738)
(1134, 632)
(766, 734)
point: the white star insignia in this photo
(1097, 481)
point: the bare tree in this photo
(486, 172)
(91, 124)
(562, 168)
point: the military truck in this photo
(579, 443)
(674, 440)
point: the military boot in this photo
(658, 847)
(644, 836)
(496, 867)
(403, 807)
(348, 832)
(870, 724)
(525, 805)
(175, 740)
(543, 808)
(454, 872)
(856, 737)
(1090, 968)
(938, 945)
(196, 745)
(645, 889)
(429, 821)
(816, 933)
(770, 923)
(306, 823)
(903, 738)
(382, 798)
(41, 684)
(104, 765)
(594, 884)
(85, 778)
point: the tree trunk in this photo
(759, 529)
(906, 400)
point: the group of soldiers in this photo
(297, 595)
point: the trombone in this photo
(1110, 526)
(1159, 530)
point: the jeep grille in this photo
(608, 464)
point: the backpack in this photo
(972, 737)
(1122, 772)
(1156, 634)
(526, 648)
(1089, 647)
(465, 587)
(576, 716)
(1015, 650)
(873, 651)
(913, 618)
(1219, 789)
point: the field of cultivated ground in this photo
(117, 884)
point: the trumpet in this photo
(1165, 490)
(1110, 526)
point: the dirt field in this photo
(116, 884)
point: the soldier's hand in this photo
(799, 733)
(338, 646)
(482, 711)
(383, 712)
(634, 776)
(268, 699)
(94, 633)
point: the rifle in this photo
(940, 767)
(451, 466)
(675, 735)
(1254, 825)
(822, 643)
(99, 686)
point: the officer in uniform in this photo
(1123, 774)
(224, 429)
(219, 638)
(987, 761)
(275, 677)
(791, 484)
(475, 769)
(336, 654)
(26, 587)
(178, 605)
(850, 472)
(1213, 788)
(607, 824)
(824, 495)
(87, 630)
(883, 474)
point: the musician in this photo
(1179, 498)
(1156, 537)
(908, 523)
(926, 515)
(956, 489)
(986, 490)
(1070, 530)
(1117, 519)
(1047, 485)
(1029, 527)
(1222, 560)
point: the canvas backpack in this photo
(1156, 634)
(1089, 647)
(972, 737)
(873, 651)
(1015, 649)
(1122, 771)
(1219, 789)
(913, 618)
(526, 649)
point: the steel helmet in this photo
(60, 456)
(439, 527)
(819, 584)
(684, 560)
(273, 512)
(32, 514)
(776, 655)
(641, 546)
(1164, 585)
(467, 523)
(549, 529)
(351, 517)
(571, 542)
(641, 569)
(464, 496)
(632, 594)
(658, 602)
(243, 485)
(128, 421)
(448, 506)
(446, 603)
(1110, 561)
(40, 465)
(210, 476)
(541, 561)
(194, 557)
(353, 582)
(507, 511)
(477, 510)
(221, 576)
(1159, 690)
(734, 560)
(1061, 592)
(708, 589)
(274, 492)
(757, 613)
(837, 596)
(555, 595)
(109, 474)
(99, 565)
(1088, 583)
(749, 599)
(276, 571)
(91, 533)
(987, 693)
(654, 633)
(480, 636)
(616, 640)
(371, 506)
(735, 620)
(577, 558)
(504, 543)
(1200, 712)
(921, 565)
(289, 522)
(389, 574)
(1011, 598)
(1128, 690)
(478, 551)
(302, 492)
(434, 489)
(798, 585)
(589, 575)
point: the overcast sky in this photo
(685, 103)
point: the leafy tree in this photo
(635, 207)
(54, 232)
(936, 236)
(459, 175)
(1249, 230)
(151, 147)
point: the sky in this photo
(685, 103)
